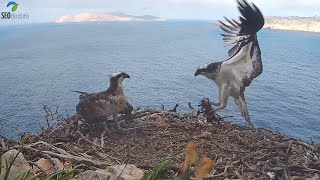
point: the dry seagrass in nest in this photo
(151, 136)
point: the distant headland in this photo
(294, 23)
(106, 17)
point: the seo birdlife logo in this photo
(14, 5)
(13, 15)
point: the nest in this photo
(151, 136)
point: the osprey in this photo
(244, 64)
(97, 107)
(127, 110)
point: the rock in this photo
(131, 172)
(87, 175)
(47, 166)
(19, 166)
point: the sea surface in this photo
(41, 63)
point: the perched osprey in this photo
(244, 63)
(97, 107)
(127, 110)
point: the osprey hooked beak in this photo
(209, 70)
(125, 75)
(198, 72)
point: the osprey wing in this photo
(90, 110)
(245, 56)
(98, 107)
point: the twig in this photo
(304, 145)
(62, 151)
(74, 158)
(87, 140)
(221, 174)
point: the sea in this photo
(41, 63)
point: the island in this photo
(106, 17)
(294, 23)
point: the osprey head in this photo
(209, 70)
(117, 77)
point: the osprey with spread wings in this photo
(244, 63)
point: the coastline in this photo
(289, 29)
(293, 23)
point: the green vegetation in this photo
(159, 169)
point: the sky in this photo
(51, 10)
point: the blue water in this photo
(40, 64)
